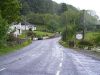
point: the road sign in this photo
(79, 36)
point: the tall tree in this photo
(39, 6)
(63, 7)
(25, 8)
(9, 12)
(10, 9)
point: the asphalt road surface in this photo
(47, 57)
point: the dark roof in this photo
(22, 23)
(26, 23)
(15, 23)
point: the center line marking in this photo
(61, 59)
(2, 69)
(60, 65)
(58, 73)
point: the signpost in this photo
(79, 36)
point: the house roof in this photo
(27, 23)
(14, 23)
(23, 23)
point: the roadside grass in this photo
(41, 28)
(92, 39)
(63, 43)
(22, 36)
(8, 49)
(37, 34)
(90, 36)
(42, 34)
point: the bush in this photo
(93, 37)
(85, 43)
(3, 30)
(97, 40)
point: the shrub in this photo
(97, 40)
(3, 30)
(85, 43)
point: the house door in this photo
(19, 31)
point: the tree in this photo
(70, 20)
(63, 7)
(31, 34)
(38, 6)
(52, 26)
(10, 10)
(25, 8)
(3, 29)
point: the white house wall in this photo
(21, 27)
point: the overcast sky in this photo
(84, 4)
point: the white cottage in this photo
(20, 27)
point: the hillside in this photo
(42, 6)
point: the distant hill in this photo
(42, 6)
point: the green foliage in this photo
(63, 7)
(30, 34)
(8, 49)
(69, 32)
(25, 8)
(10, 9)
(97, 40)
(63, 43)
(70, 19)
(85, 43)
(88, 20)
(42, 34)
(23, 35)
(94, 37)
(49, 21)
(9, 12)
(37, 6)
(64, 35)
(36, 18)
(52, 26)
(11, 38)
(3, 30)
(44, 7)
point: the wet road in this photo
(47, 57)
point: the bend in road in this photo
(47, 57)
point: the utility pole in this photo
(83, 24)
(25, 22)
(24, 18)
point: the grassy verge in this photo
(91, 53)
(38, 34)
(90, 36)
(42, 34)
(92, 39)
(8, 49)
(63, 43)
(22, 36)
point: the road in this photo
(47, 57)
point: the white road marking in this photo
(61, 59)
(58, 73)
(2, 69)
(60, 65)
